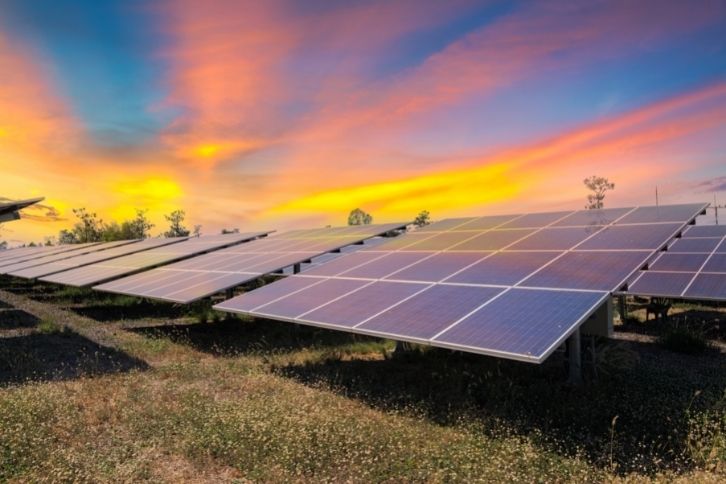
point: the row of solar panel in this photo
(446, 297)
(470, 284)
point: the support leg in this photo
(296, 269)
(574, 357)
(623, 308)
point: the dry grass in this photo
(169, 400)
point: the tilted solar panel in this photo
(516, 287)
(130, 264)
(693, 267)
(77, 261)
(206, 275)
(18, 268)
(44, 252)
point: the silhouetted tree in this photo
(176, 227)
(422, 219)
(598, 185)
(359, 217)
(197, 230)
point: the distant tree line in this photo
(91, 228)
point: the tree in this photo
(3, 245)
(359, 217)
(197, 230)
(89, 228)
(422, 219)
(138, 227)
(598, 185)
(176, 227)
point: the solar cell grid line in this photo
(107, 270)
(18, 268)
(241, 264)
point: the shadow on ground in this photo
(17, 319)
(233, 336)
(59, 355)
(649, 391)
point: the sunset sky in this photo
(287, 114)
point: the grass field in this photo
(104, 388)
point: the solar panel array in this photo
(129, 264)
(17, 268)
(693, 267)
(512, 286)
(30, 253)
(203, 276)
(109, 252)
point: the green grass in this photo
(245, 400)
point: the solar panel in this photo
(93, 257)
(19, 269)
(693, 267)
(516, 287)
(107, 270)
(243, 263)
(43, 252)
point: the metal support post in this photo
(574, 358)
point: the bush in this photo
(684, 339)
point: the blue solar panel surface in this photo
(514, 286)
(693, 267)
(208, 274)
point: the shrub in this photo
(683, 338)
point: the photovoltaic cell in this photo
(423, 316)
(679, 262)
(593, 218)
(588, 270)
(493, 240)
(385, 265)
(702, 245)
(716, 263)
(708, 286)
(437, 267)
(523, 322)
(556, 238)
(631, 237)
(310, 298)
(484, 223)
(666, 284)
(448, 224)
(535, 220)
(441, 241)
(705, 231)
(364, 303)
(664, 213)
(504, 268)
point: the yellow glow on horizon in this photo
(150, 188)
(443, 191)
(4, 132)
